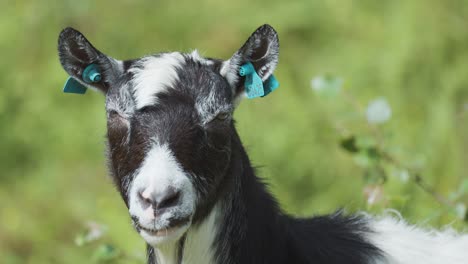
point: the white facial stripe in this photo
(406, 244)
(159, 171)
(154, 75)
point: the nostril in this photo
(168, 199)
(145, 201)
(158, 201)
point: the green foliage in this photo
(322, 151)
(373, 154)
(105, 252)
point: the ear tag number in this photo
(254, 87)
(90, 74)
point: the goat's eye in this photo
(223, 116)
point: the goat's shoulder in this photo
(335, 238)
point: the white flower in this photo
(318, 83)
(404, 176)
(378, 111)
(326, 84)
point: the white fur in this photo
(198, 246)
(159, 171)
(406, 244)
(199, 242)
(167, 253)
(196, 57)
(118, 64)
(229, 70)
(208, 107)
(121, 102)
(153, 75)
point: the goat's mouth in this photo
(175, 226)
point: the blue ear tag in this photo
(270, 85)
(254, 86)
(73, 86)
(90, 74)
(253, 82)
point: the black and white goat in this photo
(192, 194)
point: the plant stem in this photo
(418, 179)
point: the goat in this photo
(191, 192)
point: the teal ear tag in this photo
(253, 83)
(73, 86)
(270, 85)
(90, 74)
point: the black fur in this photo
(255, 230)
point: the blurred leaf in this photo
(362, 159)
(327, 85)
(105, 252)
(398, 201)
(367, 158)
(375, 175)
(364, 142)
(367, 154)
(349, 144)
(374, 154)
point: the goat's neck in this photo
(252, 222)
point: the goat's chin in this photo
(164, 236)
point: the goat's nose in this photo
(159, 200)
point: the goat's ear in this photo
(261, 49)
(76, 53)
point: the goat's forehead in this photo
(188, 73)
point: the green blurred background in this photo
(53, 171)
